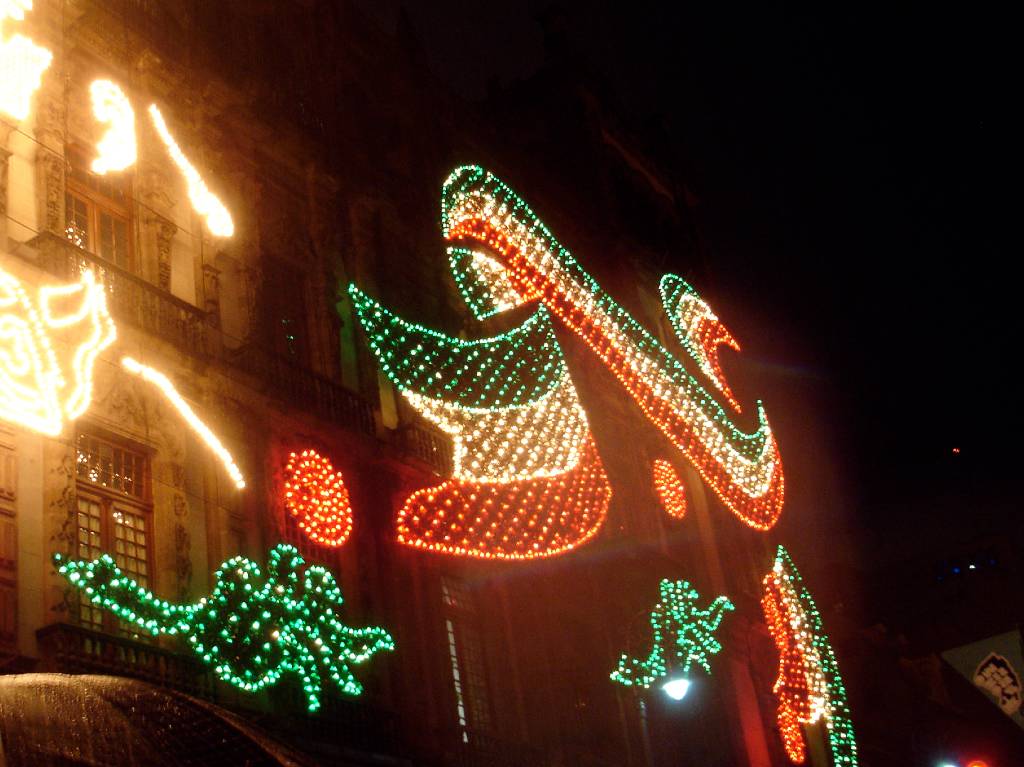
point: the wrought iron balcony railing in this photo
(135, 301)
(301, 387)
(428, 445)
(130, 298)
(73, 649)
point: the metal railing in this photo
(133, 300)
(432, 447)
(130, 298)
(74, 649)
(298, 386)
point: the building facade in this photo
(329, 156)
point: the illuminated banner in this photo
(528, 478)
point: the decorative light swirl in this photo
(744, 469)
(808, 686)
(22, 63)
(110, 106)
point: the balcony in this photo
(429, 445)
(295, 385)
(73, 649)
(130, 298)
(134, 301)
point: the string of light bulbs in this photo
(682, 634)
(744, 469)
(253, 628)
(809, 687)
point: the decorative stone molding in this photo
(5, 131)
(211, 293)
(51, 166)
(161, 232)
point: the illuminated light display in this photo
(253, 628)
(93, 314)
(315, 495)
(110, 106)
(205, 202)
(30, 380)
(743, 469)
(527, 481)
(683, 634)
(163, 383)
(699, 330)
(808, 686)
(522, 519)
(669, 488)
(483, 283)
(22, 63)
(34, 390)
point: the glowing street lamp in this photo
(676, 687)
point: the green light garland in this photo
(513, 369)
(676, 620)
(791, 612)
(253, 628)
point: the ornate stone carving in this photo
(165, 232)
(211, 293)
(5, 155)
(182, 560)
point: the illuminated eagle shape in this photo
(48, 349)
(254, 627)
(528, 479)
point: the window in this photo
(114, 516)
(97, 212)
(466, 657)
(284, 302)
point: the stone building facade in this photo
(332, 173)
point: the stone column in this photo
(50, 163)
(158, 236)
(5, 155)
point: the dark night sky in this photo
(852, 171)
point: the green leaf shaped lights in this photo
(683, 633)
(254, 627)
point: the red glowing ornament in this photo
(523, 519)
(315, 495)
(670, 489)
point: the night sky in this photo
(852, 173)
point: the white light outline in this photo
(163, 383)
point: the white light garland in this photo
(117, 149)
(22, 63)
(542, 439)
(205, 202)
(29, 376)
(102, 333)
(163, 383)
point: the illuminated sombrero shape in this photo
(527, 479)
(512, 258)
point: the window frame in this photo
(97, 203)
(110, 501)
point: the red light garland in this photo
(808, 686)
(316, 496)
(670, 489)
(523, 519)
(744, 470)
